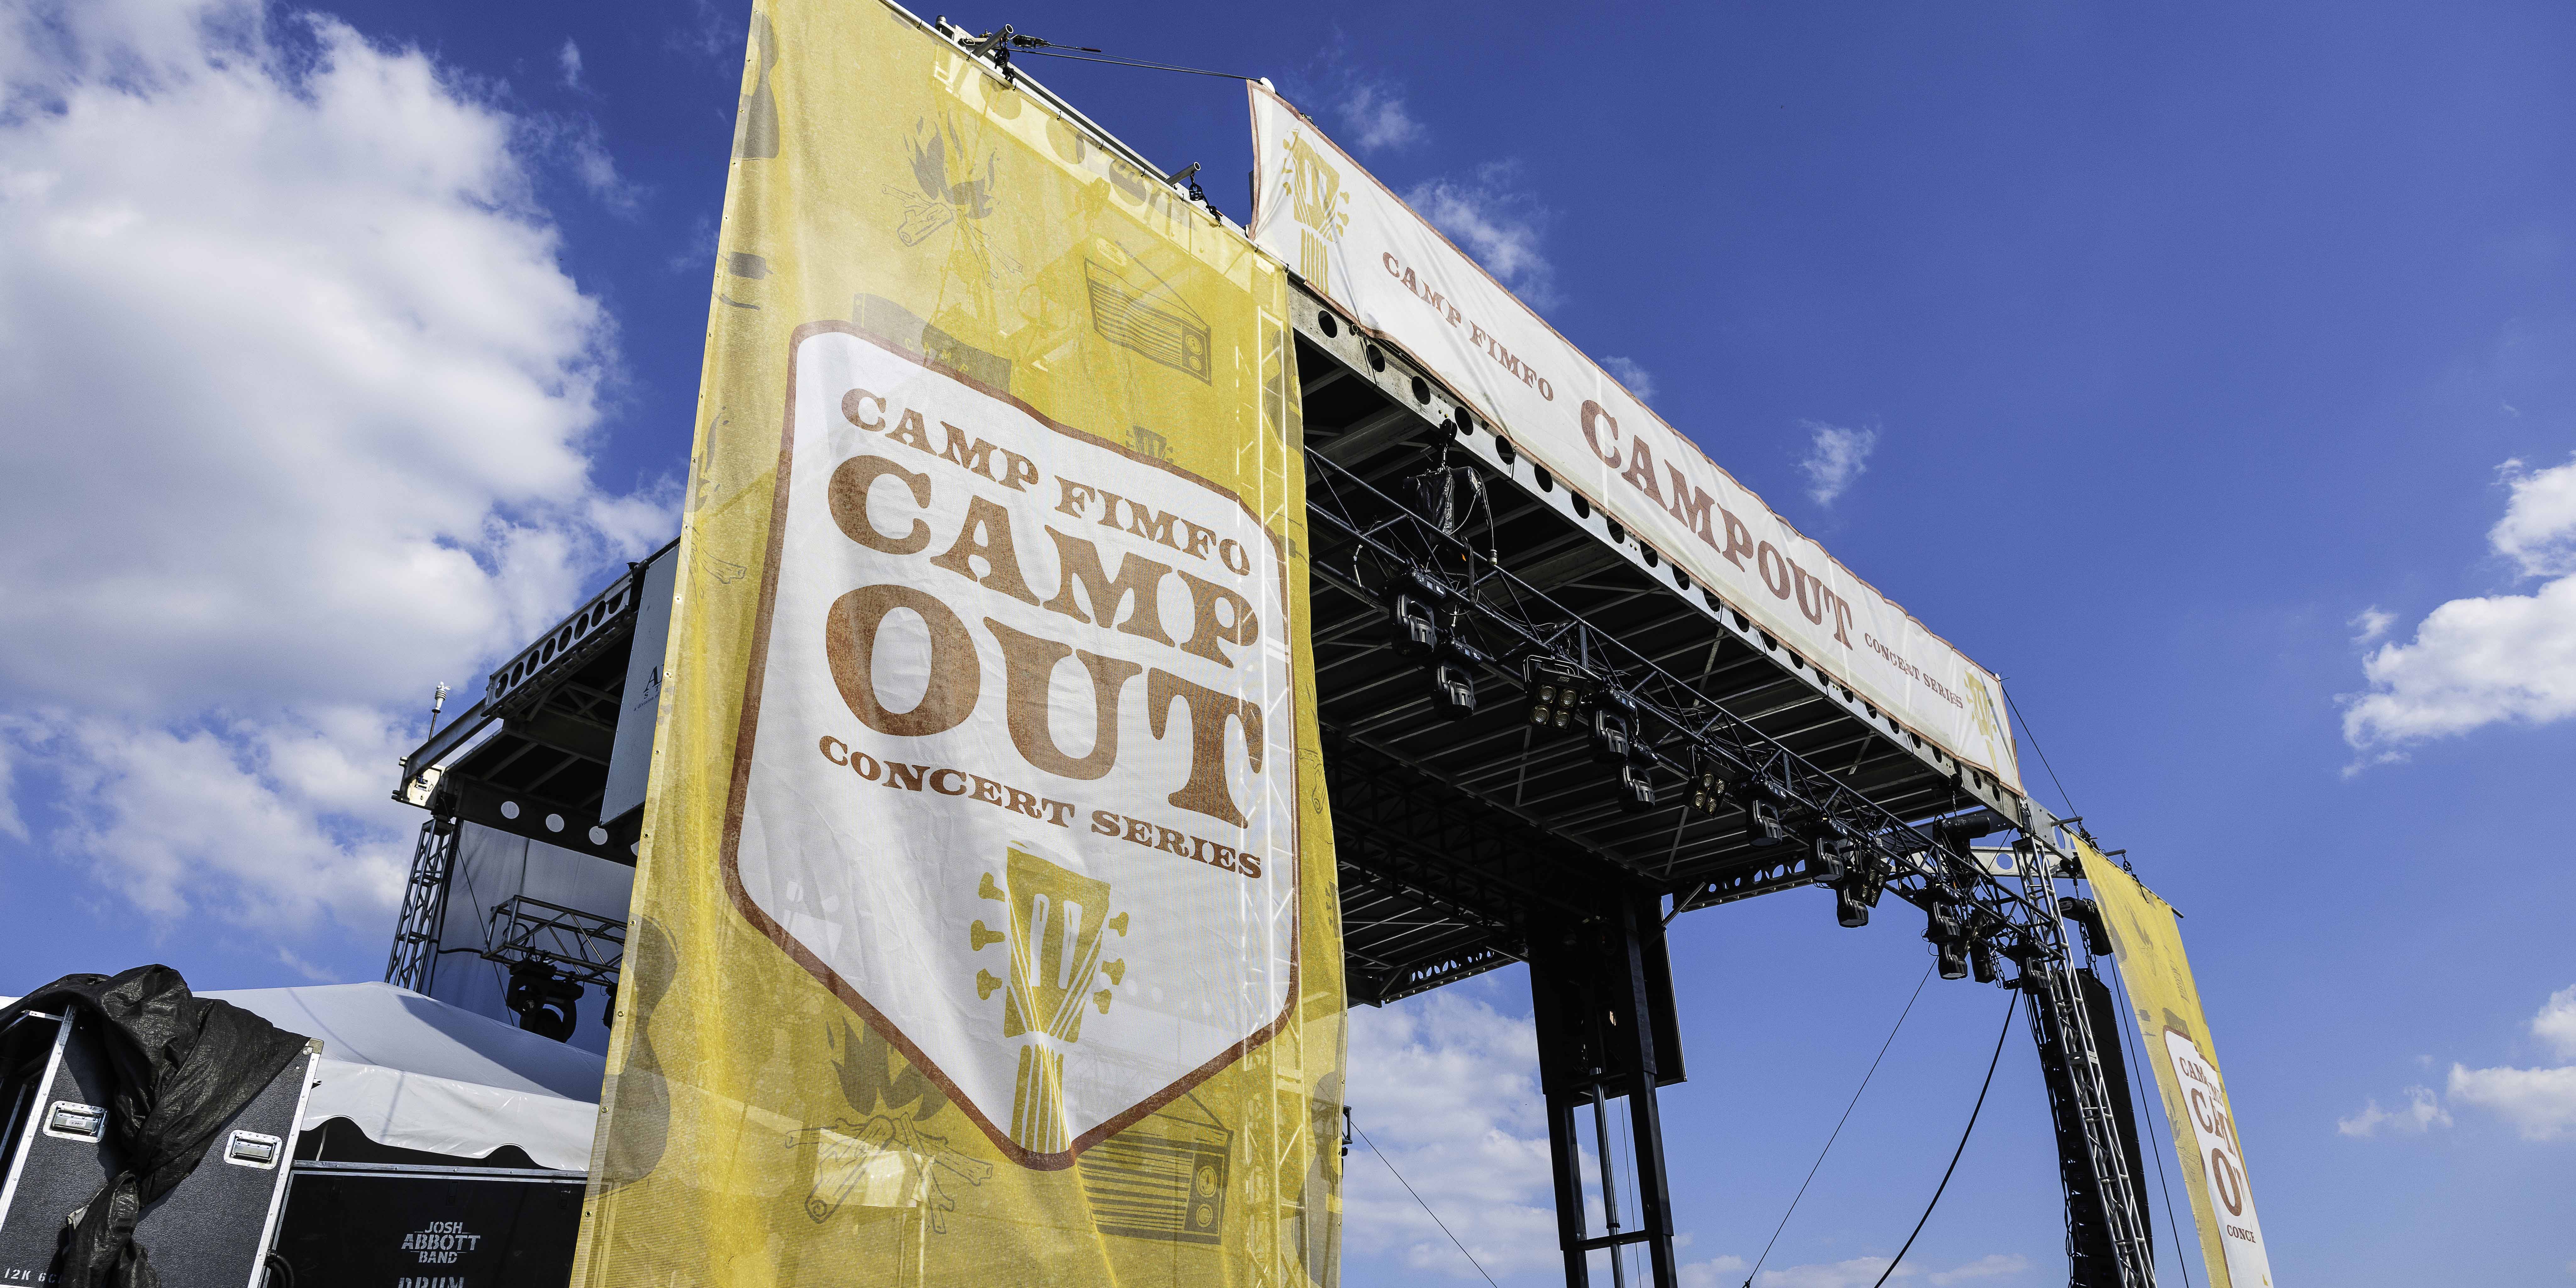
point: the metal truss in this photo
(414, 960)
(1680, 732)
(1378, 548)
(583, 947)
(2063, 1024)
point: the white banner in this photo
(962, 590)
(2231, 1198)
(1355, 243)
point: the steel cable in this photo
(2009, 1008)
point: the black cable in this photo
(1417, 1197)
(2009, 1007)
(1130, 62)
(1838, 1127)
(2015, 708)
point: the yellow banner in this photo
(2148, 942)
(984, 927)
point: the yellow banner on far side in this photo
(985, 929)
(2202, 1121)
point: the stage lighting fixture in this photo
(1415, 631)
(1849, 909)
(1832, 861)
(1614, 727)
(1453, 689)
(1764, 826)
(1558, 694)
(1949, 940)
(544, 1001)
(1636, 789)
(2085, 913)
(1981, 961)
(1707, 792)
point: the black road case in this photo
(211, 1231)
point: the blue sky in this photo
(2203, 370)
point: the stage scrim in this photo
(2166, 1002)
(984, 929)
(1356, 244)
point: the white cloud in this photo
(1377, 118)
(12, 824)
(1448, 1088)
(2371, 623)
(699, 254)
(570, 60)
(712, 31)
(1717, 1272)
(2421, 1112)
(2538, 530)
(1369, 109)
(2556, 1023)
(1493, 219)
(1858, 1272)
(1835, 457)
(308, 970)
(284, 337)
(2540, 1103)
(2488, 659)
(1639, 381)
(576, 143)
(1991, 1266)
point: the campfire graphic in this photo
(1054, 938)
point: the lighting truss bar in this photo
(1448, 969)
(1320, 325)
(1688, 728)
(585, 947)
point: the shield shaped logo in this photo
(1017, 773)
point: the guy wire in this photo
(2010, 1006)
(1838, 1126)
(1131, 62)
(2015, 707)
(1417, 1197)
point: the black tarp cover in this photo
(184, 1065)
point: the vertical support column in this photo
(414, 959)
(2061, 1022)
(1565, 1159)
(1647, 978)
(1601, 991)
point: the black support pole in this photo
(1646, 969)
(1565, 1154)
(1601, 992)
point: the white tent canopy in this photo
(416, 1073)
